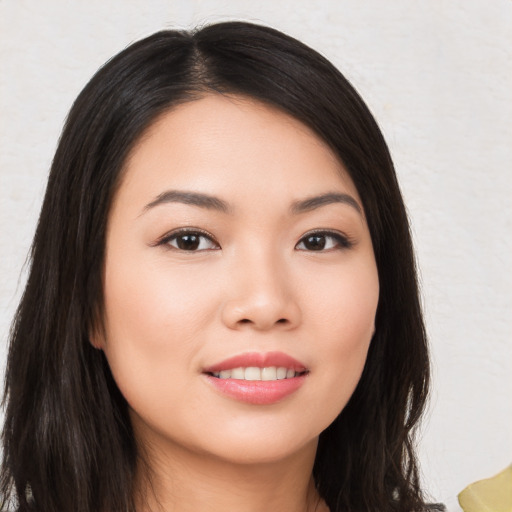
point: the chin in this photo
(261, 451)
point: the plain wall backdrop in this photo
(436, 74)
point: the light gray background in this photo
(437, 74)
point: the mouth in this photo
(255, 378)
(254, 373)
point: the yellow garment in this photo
(489, 495)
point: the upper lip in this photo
(258, 360)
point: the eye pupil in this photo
(188, 242)
(315, 242)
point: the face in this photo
(240, 285)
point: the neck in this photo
(188, 482)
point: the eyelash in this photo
(341, 241)
(166, 240)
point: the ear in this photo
(97, 336)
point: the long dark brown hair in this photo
(68, 443)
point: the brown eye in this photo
(314, 242)
(188, 242)
(323, 241)
(191, 241)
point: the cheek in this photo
(153, 318)
(157, 301)
(346, 302)
(345, 326)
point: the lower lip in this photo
(258, 392)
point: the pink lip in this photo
(257, 392)
(258, 360)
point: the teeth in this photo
(269, 373)
(281, 373)
(255, 373)
(252, 373)
(238, 373)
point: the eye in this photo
(189, 240)
(323, 241)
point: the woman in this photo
(222, 307)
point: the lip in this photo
(257, 392)
(259, 360)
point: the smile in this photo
(257, 378)
(254, 373)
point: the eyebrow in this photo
(194, 198)
(214, 203)
(312, 203)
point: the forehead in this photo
(232, 145)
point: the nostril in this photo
(247, 321)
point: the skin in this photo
(253, 286)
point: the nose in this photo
(262, 297)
